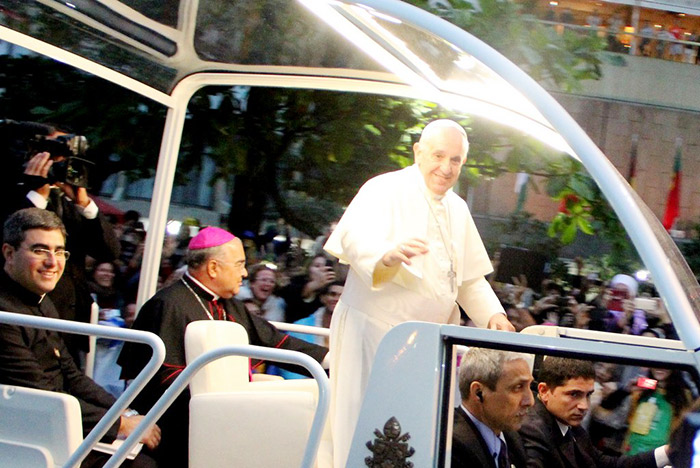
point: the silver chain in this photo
(199, 299)
(448, 248)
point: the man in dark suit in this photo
(552, 433)
(35, 257)
(495, 389)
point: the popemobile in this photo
(167, 52)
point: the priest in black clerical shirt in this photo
(35, 258)
(215, 270)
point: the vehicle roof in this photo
(158, 44)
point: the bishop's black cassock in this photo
(167, 314)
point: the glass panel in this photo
(443, 64)
(251, 156)
(625, 409)
(53, 27)
(163, 11)
(271, 32)
(123, 132)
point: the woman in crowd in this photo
(623, 317)
(301, 295)
(111, 308)
(262, 281)
(658, 402)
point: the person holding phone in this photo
(623, 317)
(660, 398)
(303, 293)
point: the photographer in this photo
(57, 181)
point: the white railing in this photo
(101, 331)
(258, 352)
(305, 329)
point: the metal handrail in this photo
(258, 352)
(102, 331)
(595, 335)
(305, 329)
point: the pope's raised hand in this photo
(404, 251)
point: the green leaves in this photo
(562, 58)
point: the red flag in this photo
(674, 193)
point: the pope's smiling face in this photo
(38, 273)
(440, 155)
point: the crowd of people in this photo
(413, 253)
(616, 306)
(669, 41)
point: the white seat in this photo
(249, 429)
(38, 427)
(24, 455)
(234, 422)
(223, 375)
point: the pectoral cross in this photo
(452, 275)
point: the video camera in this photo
(23, 140)
(66, 151)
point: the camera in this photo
(66, 151)
(616, 301)
(562, 302)
(646, 304)
(566, 315)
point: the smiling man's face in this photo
(440, 155)
(36, 272)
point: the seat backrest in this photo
(250, 429)
(225, 374)
(40, 418)
(230, 417)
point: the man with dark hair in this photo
(35, 257)
(495, 389)
(215, 270)
(552, 433)
(89, 231)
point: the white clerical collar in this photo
(564, 428)
(198, 283)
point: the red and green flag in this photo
(674, 194)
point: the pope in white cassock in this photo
(414, 252)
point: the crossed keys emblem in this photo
(390, 449)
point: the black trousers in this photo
(98, 459)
